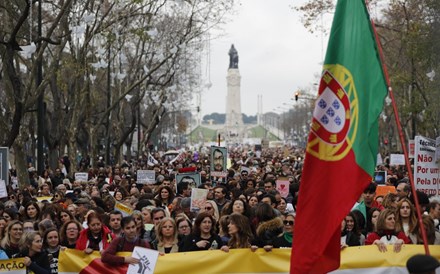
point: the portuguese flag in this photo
(343, 141)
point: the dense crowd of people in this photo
(242, 210)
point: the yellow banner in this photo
(13, 266)
(365, 259)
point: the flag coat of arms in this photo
(342, 146)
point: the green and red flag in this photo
(343, 141)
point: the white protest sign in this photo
(411, 145)
(148, 259)
(3, 190)
(81, 176)
(397, 159)
(198, 198)
(146, 177)
(425, 169)
(437, 149)
(283, 187)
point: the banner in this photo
(145, 176)
(125, 210)
(81, 176)
(397, 160)
(363, 259)
(425, 169)
(13, 266)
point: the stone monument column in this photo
(234, 120)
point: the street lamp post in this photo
(40, 101)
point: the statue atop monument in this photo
(233, 58)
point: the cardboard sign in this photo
(426, 172)
(411, 147)
(193, 179)
(198, 198)
(148, 259)
(81, 176)
(397, 159)
(3, 190)
(146, 177)
(283, 188)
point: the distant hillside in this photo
(220, 118)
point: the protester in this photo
(203, 236)
(386, 234)
(51, 244)
(166, 236)
(285, 239)
(127, 242)
(351, 234)
(69, 233)
(406, 219)
(97, 237)
(13, 235)
(422, 264)
(240, 232)
(35, 258)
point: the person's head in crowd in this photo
(373, 215)
(32, 243)
(119, 195)
(94, 223)
(183, 225)
(422, 264)
(208, 186)
(10, 214)
(32, 211)
(146, 214)
(379, 199)
(3, 225)
(220, 192)
(157, 214)
(239, 207)
(405, 216)
(45, 190)
(184, 189)
(62, 188)
(166, 229)
(129, 228)
(69, 233)
(211, 208)
(250, 183)
(51, 239)
(264, 212)
(269, 184)
(252, 200)
(390, 201)
(165, 195)
(289, 222)
(175, 207)
(186, 205)
(115, 218)
(204, 225)
(167, 182)
(13, 235)
(223, 232)
(28, 226)
(403, 190)
(391, 181)
(73, 209)
(434, 210)
(240, 231)
(282, 205)
(58, 196)
(269, 199)
(83, 205)
(369, 193)
(45, 225)
(386, 221)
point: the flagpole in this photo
(401, 136)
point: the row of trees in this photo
(108, 67)
(409, 33)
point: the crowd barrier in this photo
(364, 259)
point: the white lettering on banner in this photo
(425, 169)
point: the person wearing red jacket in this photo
(97, 237)
(386, 234)
(126, 243)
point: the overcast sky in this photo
(277, 56)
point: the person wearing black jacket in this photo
(35, 258)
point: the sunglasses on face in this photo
(286, 222)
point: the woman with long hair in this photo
(386, 234)
(406, 219)
(65, 216)
(35, 258)
(96, 237)
(51, 244)
(240, 231)
(69, 233)
(372, 216)
(166, 236)
(204, 236)
(11, 241)
(165, 196)
(240, 207)
(211, 208)
(32, 211)
(351, 234)
(285, 239)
